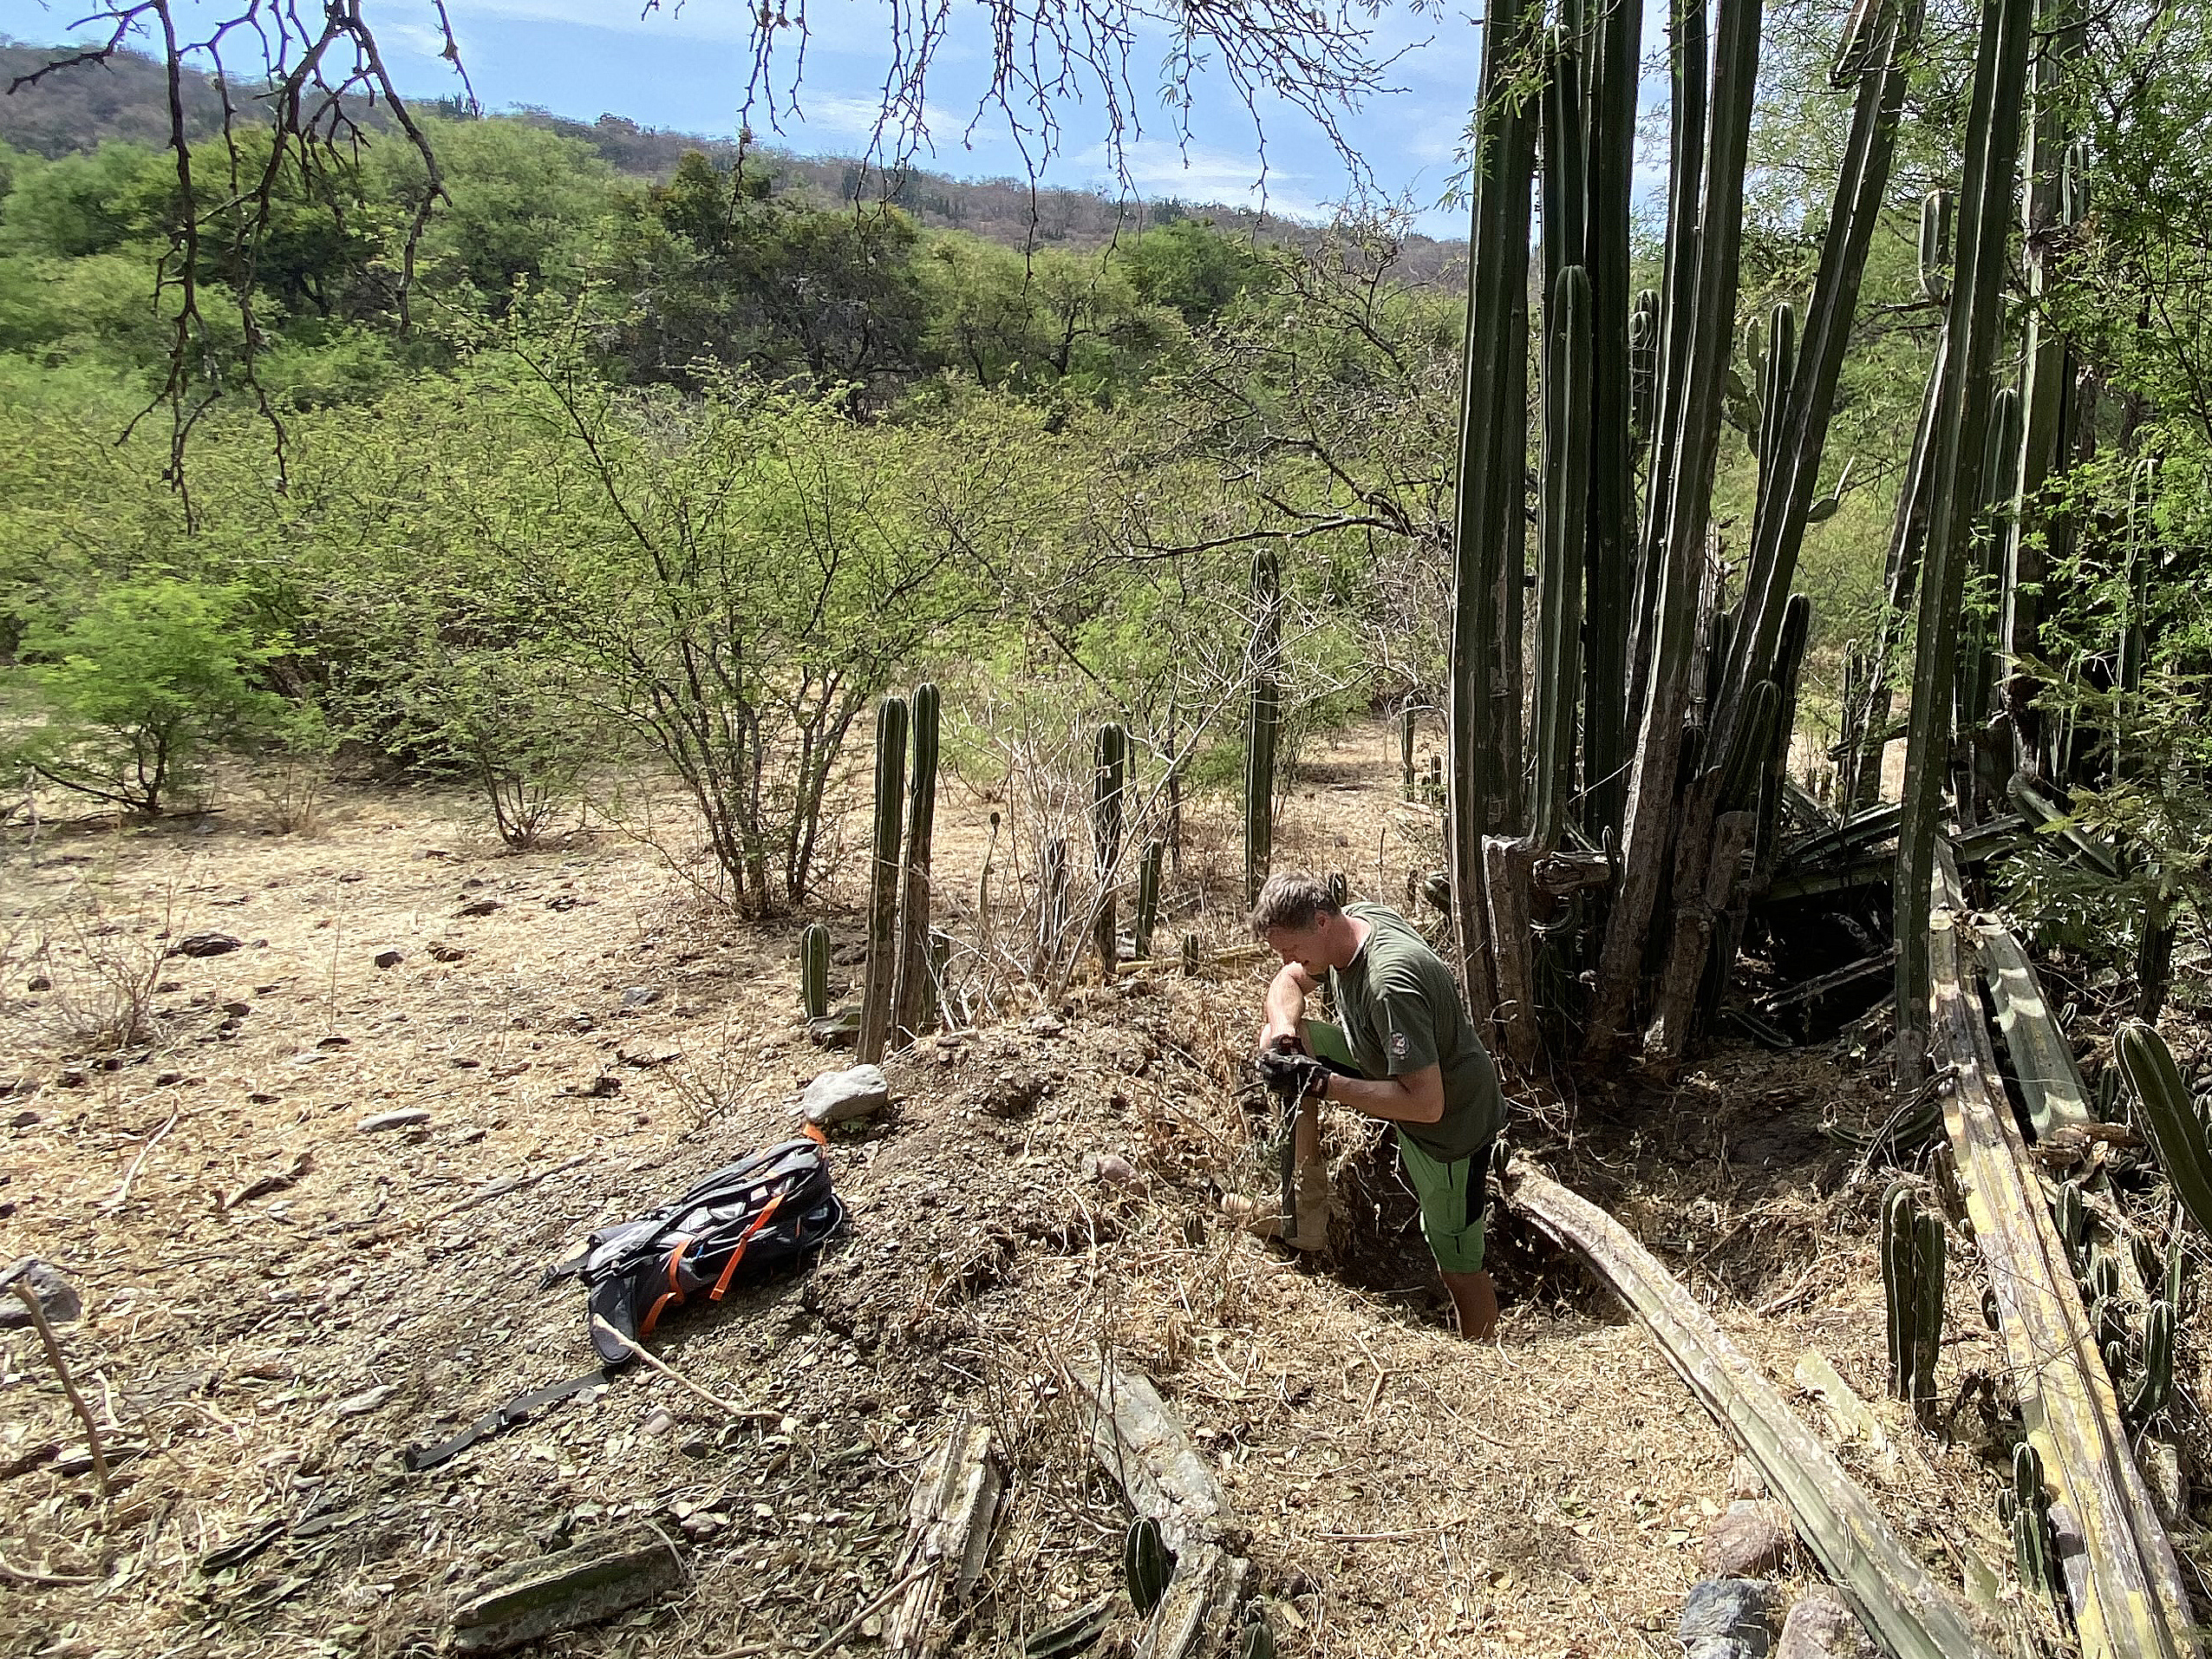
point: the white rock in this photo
(837, 1097)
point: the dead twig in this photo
(25, 1576)
(30, 1299)
(505, 1185)
(123, 1192)
(637, 1351)
(875, 1606)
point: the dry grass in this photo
(604, 1036)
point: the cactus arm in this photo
(2043, 1061)
(1110, 782)
(882, 973)
(2168, 1116)
(1560, 566)
(1927, 1307)
(1898, 1284)
(915, 991)
(1904, 1608)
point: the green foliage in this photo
(133, 695)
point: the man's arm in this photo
(1286, 1003)
(1410, 1097)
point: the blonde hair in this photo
(1294, 899)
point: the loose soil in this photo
(277, 1302)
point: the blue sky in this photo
(685, 67)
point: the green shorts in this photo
(1453, 1198)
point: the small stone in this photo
(1725, 1619)
(478, 907)
(1744, 1479)
(407, 1117)
(25, 1120)
(641, 997)
(389, 959)
(837, 1097)
(561, 901)
(658, 1421)
(1044, 1025)
(57, 1297)
(361, 1404)
(1114, 1169)
(1751, 1539)
(440, 951)
(205, 945)
(1821, 1627)
(38, 981)
(237, 1010)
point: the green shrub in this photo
(129, 698)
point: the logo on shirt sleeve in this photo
(1397, 1049)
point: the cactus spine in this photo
(2165, 1113)
(1912, 1284)
(1109, 784)
(916, 1000)
(1974, 329)
(882, 975)
(1264, 723)
(815, 971)
(1148, 897)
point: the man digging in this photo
(1422, 1069)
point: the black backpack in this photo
(753, 1215)
(748, 1217)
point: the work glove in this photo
(1296, 1074)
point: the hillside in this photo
(127, 99)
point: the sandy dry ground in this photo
(277, 1302)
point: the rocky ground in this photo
(285, 1284)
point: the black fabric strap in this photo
(502, 1418)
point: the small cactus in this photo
(2030, 1519)
(1146, 1564)
(815, 971)
(1110, 782)
(884, 882)
(1256, 1639)
(1912, 1283)
(1148, 897)
(2155, 1386)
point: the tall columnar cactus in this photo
(1912, 1283)
(1264, 723)
(917, 995)
(2031, 1521)
(1406, 749)
(1561, 516)
(2167, 1115)
(1490, 475)
(1974, 328)
(1148, 897)
(1610, 581)
(1643, 363)
(815, 971)
(882, 975)
(1109, 785)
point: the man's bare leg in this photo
(1475, 1298)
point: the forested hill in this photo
(127, 99)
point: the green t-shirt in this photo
(1401, 1011)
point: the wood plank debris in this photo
(2128, 1594)
(583, 1585)
(1894, 1594)
(948, 1533)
